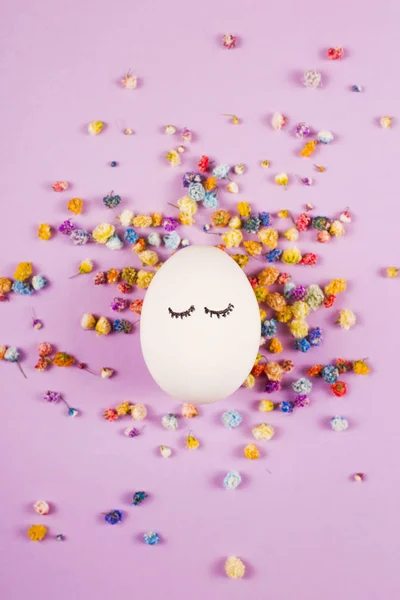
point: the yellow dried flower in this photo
(156, 219)
(291, 234)
(276, 301)
(23, 271)
(139, 246)
(251, 452)
(282, 179)
(283, 214)
(36, 532)
(263, 432)
(123, 409)
(335, 286)
(268, 276)
(191, 442)
(129, 275)
(268, 236)
(187, 205)
(252, 247)
(232, 238)
(275, 346)
(261, 293)
(240, 259)
(220, 218)
(86, 266)
(186, 219)
(298, 328)
(44, 232)
(144, 279)
(347, 319)
(274, 371)
(300, 309)
(386, 122)
(173, 158)
(266, 406)
(249, 382)
(142, 221)
(88, 321)
(265, 164)
(291, 256)
(263, 314)
(392, 272)
(284, 315)
(235, 222)
(234, 567)
(103, 326)
(95, 127)
(75, 206)
(5, 285)
(244, 209)
(149, 258)
(102, 233)
(210, 183)
(360, 367)
(337, 228)
(309, 148)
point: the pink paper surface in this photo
(302, 527)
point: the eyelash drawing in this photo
(185, 313)
(219, 313)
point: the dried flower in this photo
(44, 232)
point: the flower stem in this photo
(21, 369)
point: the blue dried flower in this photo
(211, 200)
(113, 517)
(265, 219)
(272, 386)
(221, 171)
(302, 386)
(67, 227)
(232, 480)
(138, 498)
(315, 336)
(269, 328)
(231, 419)
(196, 192)
(80, 237)
(252, 225)
(154, 239)
(151, 538)
(288, 289)
(273, 255)
(12, 354)
(111, 200)
(114, 242)
(39, 282)
(22, 287)
(131, 236)
(303, 345)
(330, 374)
(172, 240)
(122, 326)
(286, 407)
(189, 178)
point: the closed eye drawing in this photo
(181, 315)
(219, 313)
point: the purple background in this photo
(304, 529)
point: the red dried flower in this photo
(283, 278)
(124, 288)
(100, 278)
(339, 388)
(203, 163)
(303, 221)
(110, 414)
(329, 300)
(287, 365)
(253, 282)
(335, 53)
(315, 371)
(309, 259)
(136, 307)
(221, 247)
(344, 366)
(257, 370)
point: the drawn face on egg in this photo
(200, 326)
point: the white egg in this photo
(200, 325)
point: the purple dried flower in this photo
(119, 304)
(301, 400)
(272, 386)
(299, 292)
(52, 397)
(67, 227)
(170, 224)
